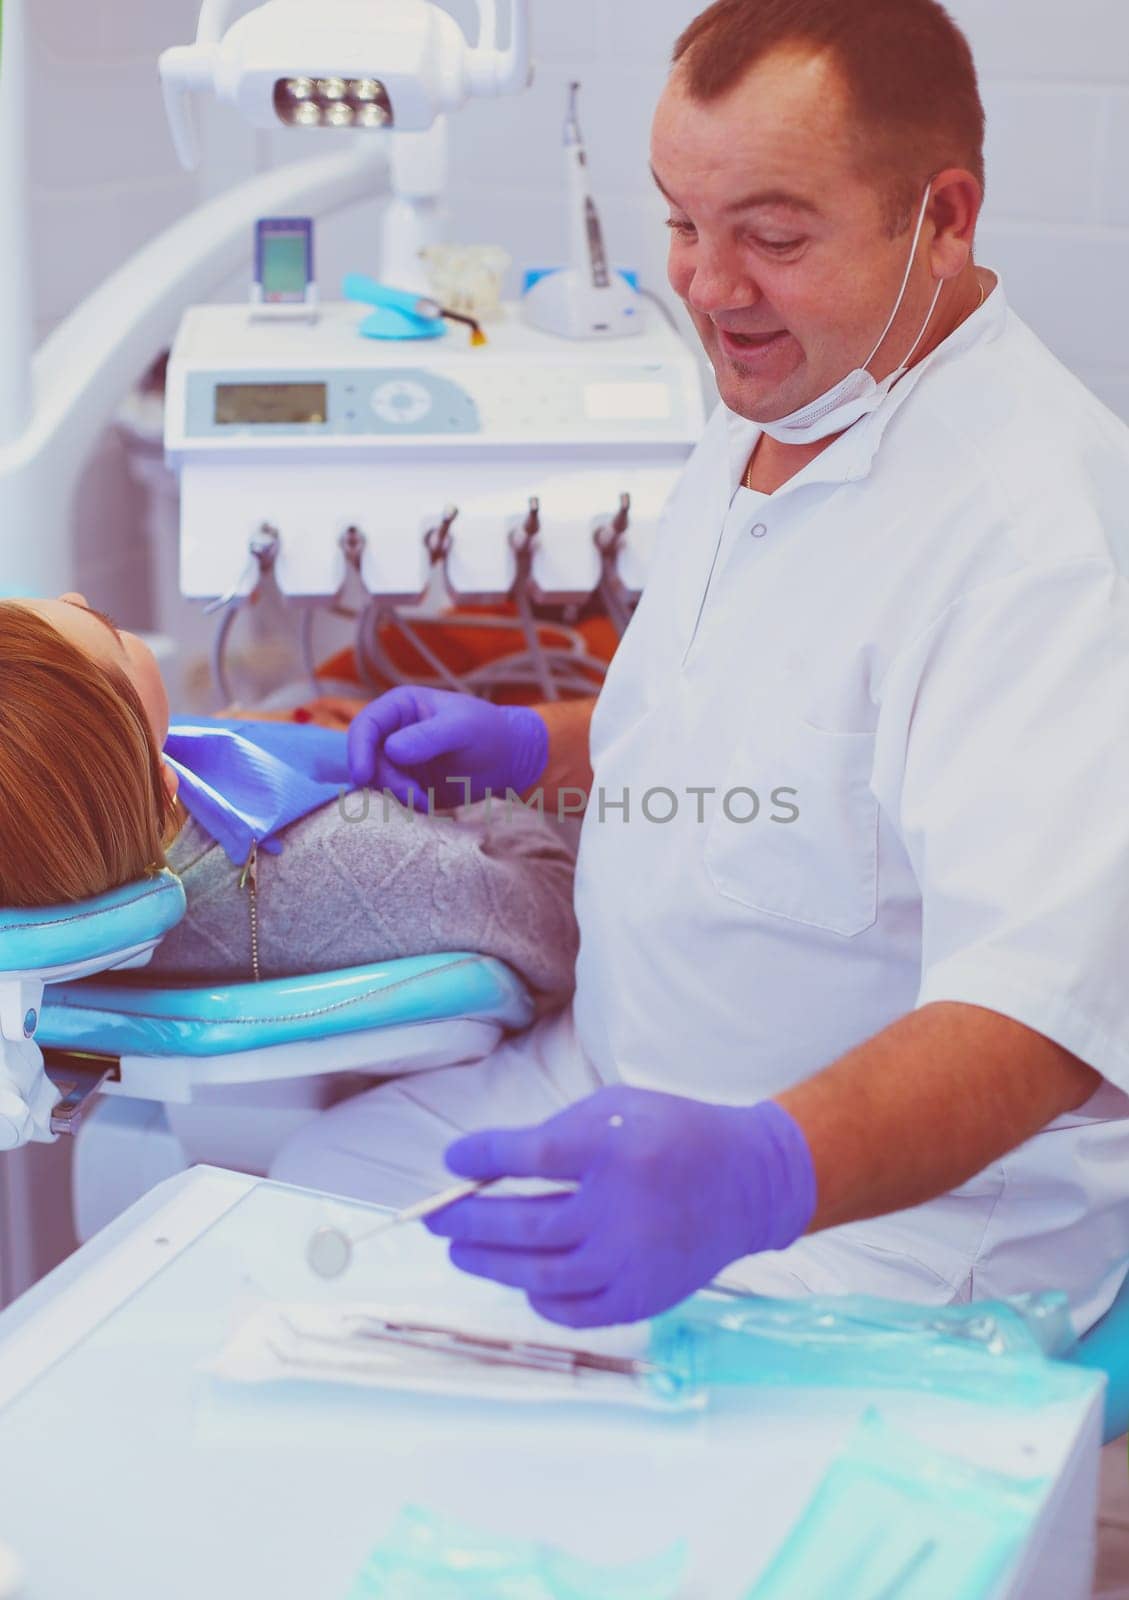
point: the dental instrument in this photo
(330, 1249)
(372, 1345)
(609, 539)
(529, 1353)
(532, 1355)
(398, 314)
(587, 299)
(403, 315)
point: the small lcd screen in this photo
(242, 403)
(285, 266)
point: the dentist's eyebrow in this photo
(102, 618)
(759, 201)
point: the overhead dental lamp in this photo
(367, 64)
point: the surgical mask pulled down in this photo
(859, 393)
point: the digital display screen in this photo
(284, 266)
(238, 404)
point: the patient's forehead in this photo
(97, 637)
(85, 629)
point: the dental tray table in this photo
(129, 1472)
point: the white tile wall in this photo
(635, 34)
(118, 109)
(96, 31)
(1055, 78)
(1112, 163)
(1072, 284)
(1040, 152)
(1047, 41)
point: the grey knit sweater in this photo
(342, 893)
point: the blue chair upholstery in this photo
(45, 944)
(1106, 1349)
(48, 937)
(132, 1019)
(61, 991)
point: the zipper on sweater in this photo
(248, 879)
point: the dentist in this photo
(851, 1008)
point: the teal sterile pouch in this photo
(428, 1557)
(895, 1520)
(998, 1352)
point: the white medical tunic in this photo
(885, 714)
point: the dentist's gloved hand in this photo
(412, 740)
(669, 1191)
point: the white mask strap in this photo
(905, 285)
(924, 325)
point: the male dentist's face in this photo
(779, 246)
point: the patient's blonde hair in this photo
(82, 805)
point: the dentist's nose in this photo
(717, 284)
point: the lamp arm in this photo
(215, 17)
(496, 72)
(185, 68)
(487, 25)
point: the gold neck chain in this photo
(746, 482)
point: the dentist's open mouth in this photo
(751, 341)
(752, 351)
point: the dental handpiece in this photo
(589, 256)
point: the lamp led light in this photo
(400, 64)
(335, 101)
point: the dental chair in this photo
(153, 1078)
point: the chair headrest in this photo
(55, 936)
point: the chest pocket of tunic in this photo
(818, 863)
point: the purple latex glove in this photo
(412, 740)
(669, 1191)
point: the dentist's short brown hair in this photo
(906, 66)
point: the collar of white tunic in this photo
(851, 455)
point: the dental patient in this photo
(88, 804)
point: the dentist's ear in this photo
(170, 779)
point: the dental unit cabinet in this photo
(314, 431)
